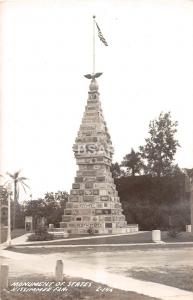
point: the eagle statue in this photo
(93, 76)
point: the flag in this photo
(100, 35)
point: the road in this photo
(107, 267)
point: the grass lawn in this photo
(17, 232)
(181, 277)
(143, 237)
(14, 233)
(44, 250)
(73, 293)
(181, 237)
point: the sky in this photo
(46, 48)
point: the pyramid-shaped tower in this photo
(93, 201)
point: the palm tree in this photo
(17, 182)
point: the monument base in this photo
(79, 230)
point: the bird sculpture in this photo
(93, 76)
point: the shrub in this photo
(151, 201)
(41, 234)
(91, 230)
(173, 233)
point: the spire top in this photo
(93, 87)
(92, 76)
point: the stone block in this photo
(89, 185)
(95, 192)
(76, 186)
(66, 218)
(88, 198)
(88, 192)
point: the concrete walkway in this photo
(26, 264)
(21, 242)
(23, 238)
(100, 245)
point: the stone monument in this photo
(93, 205)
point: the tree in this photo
(132, 162)
(152, 202)
(161, 146)
(3, 205)
(51, 207)
(17, 183)
(61, 197)
(34, 208)
(116, 170)
(189, 172)
(54, 206)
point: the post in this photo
(51, 226)
(59, 270)
(4, 273)
(94, 44)
(156, 236)
(188, 228)
(9, 218)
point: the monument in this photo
(93, 204)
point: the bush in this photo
(151, 201)
(41, 234)
(91, 230)
(173, 233)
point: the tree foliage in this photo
(41, 234)
(189, 172)
(3, 205)
(116, 170)
(51, 207)
(161, 146)
(133, 163)
(154, 202)
(18, 182)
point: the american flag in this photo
(100, 35)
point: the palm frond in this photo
(16, 174)
(23, 187)
(25, 184)
(22, 178)
(10, 175)
(7, 182)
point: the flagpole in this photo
(94, 44)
